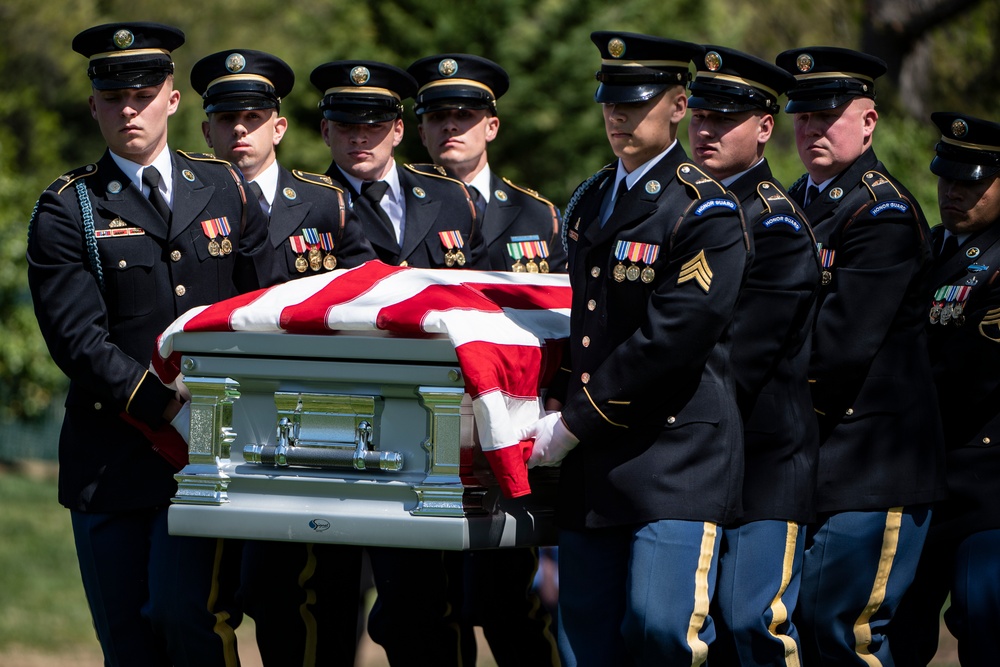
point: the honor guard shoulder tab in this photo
(775, 201)
(434, 170)
(315, 179)
(66, 179)
(882, 188)
(203, 157)
(528, 191)
(702, 184)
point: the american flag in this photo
(508, 331)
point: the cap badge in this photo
(188, 175)
(713, 61)
(235, 62)
(616, 47)
(500, 195)
(114, 187)
(419, 193)
(447, 67)
(836, 193)
(959, 128)
(124, 38)
(805, 62)
(360, 75)
(652, 187)
(289, 193)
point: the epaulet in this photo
(775, 201)
(528, 191)
(433, 170)
(203, 157)
(703, 184)
(880, 186)
(66, 179)
(315, 179)
(802, 179)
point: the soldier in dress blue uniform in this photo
(116, 251)
(456, 104)
(881, 450)
(734, 102)
(305, 611)
(648, 430)
(413, 215)
(962, 553)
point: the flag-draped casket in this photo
(377, 405)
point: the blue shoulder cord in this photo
(88, 233)
(574, 200)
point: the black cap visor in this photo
(825, 95)
(958, 164)
(125, 72)
(612, 94)
(240, 96)
(360, 110)
(453, 97)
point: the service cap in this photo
(827, 77)
(457, 81)
(636, 68)
(362, 91)
(969, 149)
(128, 55)
(241, 79)
(730, 81)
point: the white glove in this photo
(182, 421)
(553, 440)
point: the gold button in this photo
(175, 255)
(122, 264)
(585, 378)
(591, 305)
(671, 420)
(404, 263)
(986, 441)
(596, 271)
(586, 341)
(180, 290)
(850, 411)
(97, 406)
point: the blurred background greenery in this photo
(943, 55)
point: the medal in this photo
(211, 229)
(826, 257)
(935, 313)
(518, 267)
(311, 236)
(529, 251)
(648, 274)
(641, 255)
(621, 252)
(543, 252)
(452, 242)
(946, 313)
(632, 273)
(226, 247)
(214, 249)
(543, 266)
(299, 247)
(326, 242)
(618, 273)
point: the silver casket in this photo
(355, 437)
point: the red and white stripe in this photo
(508, 331)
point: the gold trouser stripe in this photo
(222, 628)
(699, 649)
(779, 612)
(312, 637)
(862, 627)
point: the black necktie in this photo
(949, 247)
(479, 201)
(373, 191)
(619, 193)
(151, 179)
(259, 194)
(812, 194)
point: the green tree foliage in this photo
(551, 135)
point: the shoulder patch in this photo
(782, 219)
(66, 179)
(709, 204)
(315, 179)
(528, 191)
(895, 205)
(434, 170)
(703, 184)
